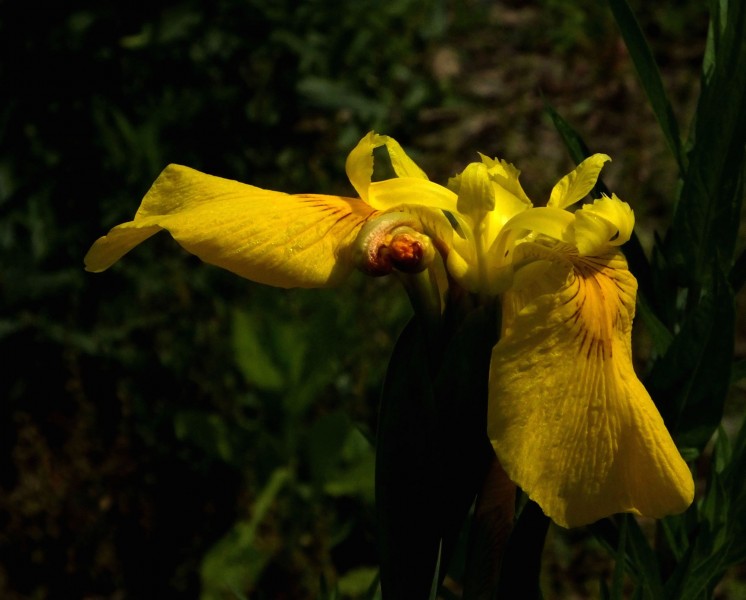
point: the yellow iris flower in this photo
(569, 420)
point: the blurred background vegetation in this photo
(167, 429)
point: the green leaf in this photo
(650, 77)
(714, 510)
(659, 333)
(718, 531)
(464, 452)
(734, 470)
(334, 94)
(354, 475)
(722, 454)
(644, 559)
(406, 501)
(327, 592)
(573, 142)
(359, 582)
(707, 216)
(253, 353)
(738, 272)
(325, 444)
(209, 431)
(603, 591)
(432, 451)
(735, 485)
(704, 574)
(235, 562)
(435, 584)
(374, 589)
(675, 533)
(689, 383)
(715, 31)
(708, 60)
(642, 563)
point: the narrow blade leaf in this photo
(650, 77)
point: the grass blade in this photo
(650, 77)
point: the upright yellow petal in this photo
(569, 419)
(273, 238)
(577, 184)
(400, 161)
(505, 175)
(476, 194)
(359, 165)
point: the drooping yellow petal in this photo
(121, 239)
(269, 237)
(359, 165)
(578, 183)
(569, 419)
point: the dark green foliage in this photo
(431, 452)
(691, 379)
(702, 240)
(650, 78)
(146, 412)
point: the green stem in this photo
(424, 296)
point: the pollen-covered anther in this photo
(411, 252)
(390, 242)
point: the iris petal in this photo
(476, 194)
(578, 183)
(551, 222)
(605, 223)
(400, 161)
(393, 193)
(359, 165)
(505, 175)
(269, 237)
(569, 419)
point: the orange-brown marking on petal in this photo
(594, 314)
